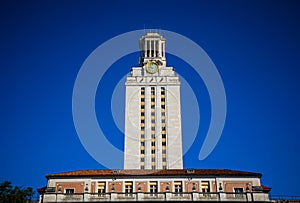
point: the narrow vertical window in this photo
(142, 138)
(152, 48)
(163, 127)
(148, 48)
(153, 161)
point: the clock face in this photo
(151, 67)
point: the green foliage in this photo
(10, 194)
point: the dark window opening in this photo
(70, 191)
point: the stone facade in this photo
(143, 185)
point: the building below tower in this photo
(154, 185)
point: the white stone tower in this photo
(152, 114)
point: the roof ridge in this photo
(150, 172)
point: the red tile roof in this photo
(150, 173)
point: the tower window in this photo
(142, 139)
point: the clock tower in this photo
(152, 114)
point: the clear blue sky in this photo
(254, 44)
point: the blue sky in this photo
(254, 45)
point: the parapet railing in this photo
(147, 196)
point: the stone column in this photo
(163, 50)
(159, 48)
(155, 48)
(145, 48)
